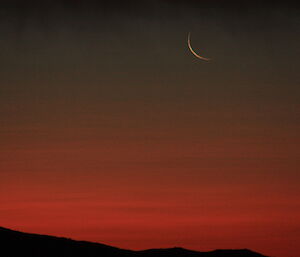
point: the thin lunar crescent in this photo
(192, 50)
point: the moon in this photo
(192, 50)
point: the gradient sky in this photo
(112, 131)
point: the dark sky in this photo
(112, 131)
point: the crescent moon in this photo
(193, 52)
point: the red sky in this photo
(111, 131)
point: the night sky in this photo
(112, 131)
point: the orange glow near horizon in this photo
(149, 194)
(111, 131)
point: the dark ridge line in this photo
(174, 251)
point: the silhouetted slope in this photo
(181, 252)
(19, 244)
(34, 245)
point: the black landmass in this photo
(19, 244)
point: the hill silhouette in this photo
(20, 244)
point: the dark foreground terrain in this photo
(14, 243)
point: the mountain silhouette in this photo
(20, 244)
